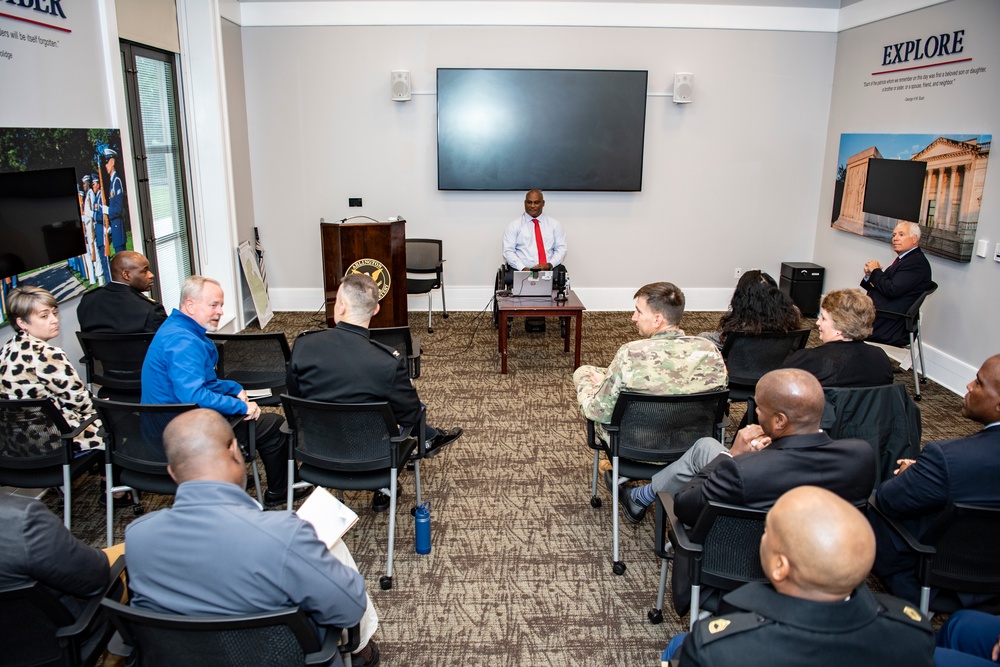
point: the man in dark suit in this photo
(964, 470)
(343, 365)
(896, 288)
(816, 552)
(120, 306)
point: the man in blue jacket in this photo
(180, 368)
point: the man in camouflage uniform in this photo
(664, 362)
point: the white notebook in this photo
(330, 517)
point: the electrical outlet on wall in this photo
(738, 273)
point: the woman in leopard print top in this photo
(31, 368)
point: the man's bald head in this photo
(200, 445)
(131, 268)
(817, 546)
(789, 401)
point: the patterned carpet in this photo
(520, 572)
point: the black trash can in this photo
(803, 282)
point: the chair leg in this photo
(256, 481)
(416, 479)
(920, 351)
(444, 306)
(913, 364)
(594, 500)
(618, 566)
(110, 503)
(695, 605)
(925, 601)
(291, 484)
(67, 496)
(385, 582)
(430, 306)
(655, 614)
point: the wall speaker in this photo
(683, 87)
(400, 80)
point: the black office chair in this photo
(647, 433)
(39, 631)
(280, 638)
(400, 339)
(36, 449)
(114, 362)
(258, 362)
(424, 258)
(957, 554)
(912, 318)
(352, 446)
(721, 550)
(751, 356)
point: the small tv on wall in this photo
(39, 219)
(894, 188)
(551, 129)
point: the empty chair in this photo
(912, 323)
(400, 339)
(280, 638)
(39, 630)
(647, 433)
(424, 260)
(114, 362)
(36, 449)
(257, 362)
(352, 446)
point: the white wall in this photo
(729, 181)
(961, 320)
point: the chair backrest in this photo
(913, 312)
(134, 433)
(885, 417)
(750, 356)
(276, 638)
(730, 539)
(967, 539)
(115, 360)
(31, 434)
(649, 427)
(423, 255)
(335, 436)
(31, 617)
(254, 361)
(398, 338)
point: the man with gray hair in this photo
(897, 286)
(180, 368)
(343, 365)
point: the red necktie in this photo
(539, 243)
(894, 262)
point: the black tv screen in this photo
(894, 188)
(516, 129)
(39, 219)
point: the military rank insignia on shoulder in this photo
(711, 630)
(902, 611)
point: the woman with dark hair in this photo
(31, 368)
(844, 359)
(757, 306)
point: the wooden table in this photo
(534, 306)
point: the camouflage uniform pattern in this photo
(668, 362)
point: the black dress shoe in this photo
(274, 499)
(632, 510)
(368, 656)
(438, 442)
(380, 501)
(123, 501)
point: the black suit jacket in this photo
(343, 365)
(842, 363)
(119, 308)
(758, 479)
(37, 547)
(895, 288)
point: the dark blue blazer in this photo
(895, 288)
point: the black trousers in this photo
(271, 449)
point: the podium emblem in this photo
(375, 270)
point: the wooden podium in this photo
(375, 248)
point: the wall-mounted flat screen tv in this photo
(894, 188)
(39, 219)
(515, 129)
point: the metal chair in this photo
(424, 258)
(36, 449)
(257, 362)
(912, 318)
(722, 549)
(956, 554)
(647, 433)
(400, 339)
(39, 631)
(133, 449)
(280, 638)
(352, 446)
(751, 356)
(114, 362)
